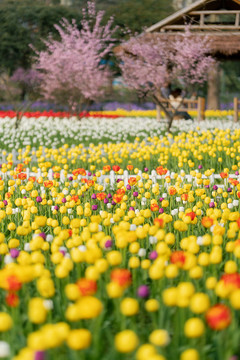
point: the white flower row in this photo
(113, 177)
(54, 132)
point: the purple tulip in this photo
(94, 207)
(128, 187)
(105, 201)
(64, 200)
(108, 244)
(215, 187)
(236, 173)
(14, 253)
(43, 235)
(40, 355)
(212, 205)
(229, 189)
(161, 199)
(38, 199)
(200, 166)
(135, 193)
(109, 196)
(89, 173)
(70, 178)
(207, 186)
(143, 291)
(94, 196)
(5, 202)
(145, 169)
(131, 208)
(153, 255)
(118, 180)
(161, 211)
(56, 207)
(113, 203)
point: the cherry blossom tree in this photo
(73, 70)
(148, 63)
(26, 83)
(20, 89)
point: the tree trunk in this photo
(18, 120)
(20, 112)
(109, 89)
(82, 110)
(169, 114)
(170, 121)
(213, 102)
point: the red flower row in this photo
(61, 114)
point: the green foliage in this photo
(137, 14)
(134, 14)
(230, 77)
(22, 23)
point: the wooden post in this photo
(201, 109)
(237, 20)
(158, 113)
(235, 108)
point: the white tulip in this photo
(4, 349)
(49, 238)
(142, 252)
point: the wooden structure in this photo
(219, 20)
(186, 106)
(236, 108)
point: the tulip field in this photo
(119, 241)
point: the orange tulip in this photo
(122, 276)
(207, 222)
(87, 287)
(218, 317)
(132, 181)
(107, 168)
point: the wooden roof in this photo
(197, 11)
(218, 19)
(221, 45)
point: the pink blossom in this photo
(148, 63)
(71, 68)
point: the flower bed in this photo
(55, 132)
(127, 249)
(210, 114)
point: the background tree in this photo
(14, 88)
(149, 64)
(23, 22)
(137, 14)
(73, 69)
(28, 82)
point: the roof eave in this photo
(175, 16)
